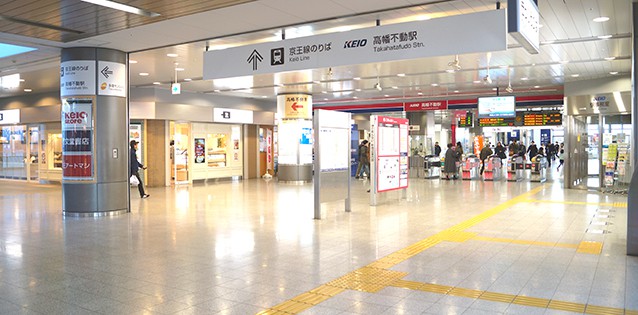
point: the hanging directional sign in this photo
(459, 34)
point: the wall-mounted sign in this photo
(599, 102)
(425, 105)
(524, 24)
(295, 106)
(77, 77)
(77, 139)
(9, 116)
(111, 78)
(399, 41)
(229, 115)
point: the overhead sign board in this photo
(9, 116)
(425, 105)
(77, 77)
(400, 41)
(523, 21)
(229, 115)
(111, 78)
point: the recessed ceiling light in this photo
(420, 93)
(355, 97)
(434, 84)
(395, 87)
(188, 79)
(575, 75)
(144, 74)
(132, 61)
(172, 55)
(601, 19)
(401, 75)
(613, 72)
(123, 7)
(386, 95)
(610, 58)
(357, 90)
(536, 86)
(524, 79)
(476, 81)
(356, 78)
(456, 91)
(28, 90)
(179, 69)
(157, 83)
(605, 36)
(264, 96)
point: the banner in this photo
(77, 139)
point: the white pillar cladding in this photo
(94, 90)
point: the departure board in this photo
(542, 119)
(496, 122)
(466, 121)
(525, 119)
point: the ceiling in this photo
(571, 49)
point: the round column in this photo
(294, 137)
(93, 90)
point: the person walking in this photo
(364, 159)
(135, 167)
(449, 166)
(437, 149)
(485, 153)
(561, 157)
(356, 173)
(532, 150)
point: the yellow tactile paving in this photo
(600, 310)
(619, 205)
(587, 247)
(524, 242)
(580, 203)
(376, 276)
(567, 306)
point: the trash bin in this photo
(432, 166)
(470, 168)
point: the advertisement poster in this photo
(269, 149)
(77, 139)
(200, 150)
(392, 153)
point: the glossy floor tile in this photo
(449, 247)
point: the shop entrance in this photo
(180, 135)
(607, 151)
(19, 152)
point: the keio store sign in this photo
(369, 45)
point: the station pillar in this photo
(294, 137)
(632, 202)
(94, 118)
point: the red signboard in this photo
(77, 166)
(425, 105)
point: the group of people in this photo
(454, 153)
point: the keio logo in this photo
(355, 43)
(74, 117)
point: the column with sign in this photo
(295, 145)
(77, 139)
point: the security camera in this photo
(378, 86)
(455, 65)
(487, 79)
(509, 89)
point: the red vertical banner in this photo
(453, 129)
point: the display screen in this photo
(542, 119)
(496, 107)
(465, 121)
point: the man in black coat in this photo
(135, 167)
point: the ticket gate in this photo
(539, 170)
(470, 168)
(432, 166)
(493, 170)
(515, 169)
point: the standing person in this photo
(356, 174)
(437, 149)
(459, 151)
(134, 170)
(532, 151)
(450, 162)
(364, 158)
(485, 153)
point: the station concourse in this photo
(218, 97)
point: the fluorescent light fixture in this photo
(395, 87)
(576, 75)
(601, 19)
(524, 79)
(179, 69)
(355, 97)
(157, 83)
(123, 7)
(357, 90)
(216, 91)
(476, 81)
(420, 93)
(613, 72)
(605, 36)
(450, 71)
(324, 92)
(456, 91)
(325, 99)
(144, 74)
(172, 55)
(28, 90)
(7, 50)
(386, 95)
(610, 58)
(132, 61)
(422, 17)
(401, 75)
(264, 96)
(434, 84)
(188, 79)
(21, 80)
(356, 78)
(494, 89)
(537, 86)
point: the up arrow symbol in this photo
(255, 57)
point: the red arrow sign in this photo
(295, 106)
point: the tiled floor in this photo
(451, 247)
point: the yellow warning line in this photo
(584, 247)
(580, 203)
